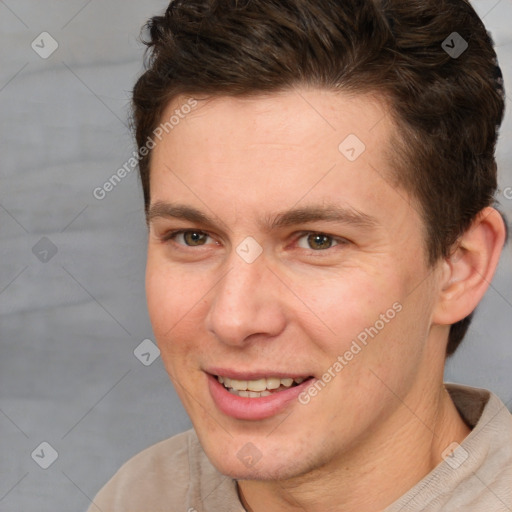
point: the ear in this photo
(468, 271)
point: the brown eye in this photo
(317, 241)
(189, 238)
(194, 238)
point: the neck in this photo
(376, 472)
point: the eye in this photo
(317, 241)
(189, 238)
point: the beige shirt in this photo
(176, 476)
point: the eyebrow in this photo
(292, 217)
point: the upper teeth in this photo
(258, 385)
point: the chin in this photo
(266, 468)
(259, 472)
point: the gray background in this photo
(69, 325)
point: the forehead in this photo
(254, 156)
(287, 118)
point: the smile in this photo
(260, 387)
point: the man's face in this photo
(311, 256)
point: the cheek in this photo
(369, 313)
(350, 301)
(160, 298)
(173, 300)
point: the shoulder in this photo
(478, 476)
(154, 478)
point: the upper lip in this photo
(255, 374)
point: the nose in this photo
(246, 304)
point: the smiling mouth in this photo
(261, 387)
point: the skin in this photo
(296, 308)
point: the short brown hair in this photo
(448, 107)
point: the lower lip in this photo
(243, 408)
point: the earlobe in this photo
(468, 271)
